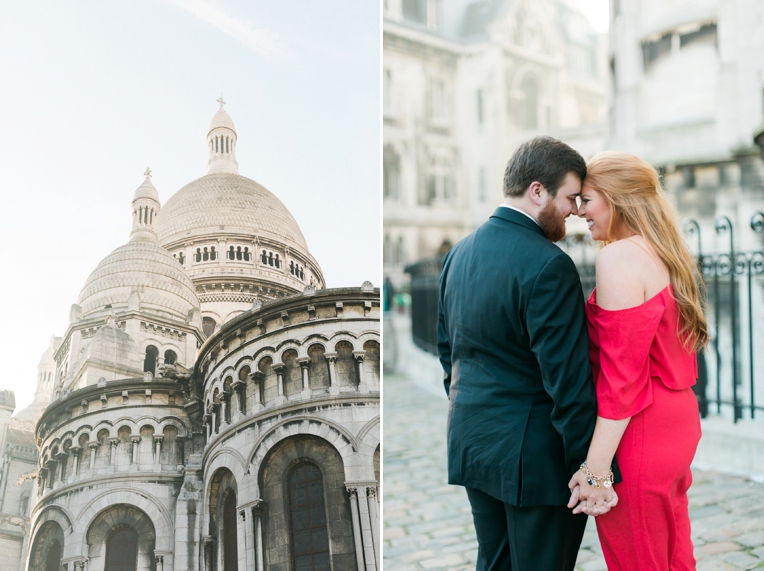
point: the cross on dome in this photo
(147, 174)
(221, 101)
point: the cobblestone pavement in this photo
(428, 525)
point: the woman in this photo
(645, 325)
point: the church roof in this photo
(221, 119)
(141, 266)
(227, 203)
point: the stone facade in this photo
(464, 83)
(209, 414)
(688, 93)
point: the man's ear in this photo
(536, 192)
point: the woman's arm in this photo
(607, 436)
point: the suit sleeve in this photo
(444, 346)
(556, 322)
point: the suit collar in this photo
(516, 217)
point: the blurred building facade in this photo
(687, 82)
(465, 82)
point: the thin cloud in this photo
(260, 41)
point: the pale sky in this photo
(94, 92)
(597, 12)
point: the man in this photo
(513, 343)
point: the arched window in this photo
(150, 362)
(230, 543)
(206, 255)
(246, 254)
(213, 253)
(53, 558)
(122, 550)
(238, 253)
(230, 253)
(198, 255)
(208, 326)
(264, 257)
(310, 541)
(170, 357)
(528, 106)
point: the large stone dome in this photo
(141, 266)
(227, 204)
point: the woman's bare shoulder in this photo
(620, 275)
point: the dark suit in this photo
(513, 343)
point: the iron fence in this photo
(730, 370)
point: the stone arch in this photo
(166, 421)
(315, 338)
(47, 547)
(292, 373)
(333, 433)
(112, 519)
(146, 503)
(342, 336)
(346, 366)
(527, 94)
(286, 345)
(281, 460)
(222, 489)
(318, 366)
(366, 436)
(371, 362)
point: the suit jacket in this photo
(513, 343)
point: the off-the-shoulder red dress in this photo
(642, 370)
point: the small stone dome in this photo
(146, 189)
(141, 266)
(223, 204)
(221, 119)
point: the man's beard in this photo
(552, 222)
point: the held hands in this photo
(588, 499)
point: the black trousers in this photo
(538, 538)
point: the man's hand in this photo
(588, 499)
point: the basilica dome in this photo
(227, 203)
(141, 266)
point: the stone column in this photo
(208, 544)
(206, 421)
(358, 356)
(159, 562)
(332, 358)
(113, 450)
(158, 448)
(239, 388)
(280, 374)
(75, 452)
(356, 528)
(304, 362)
(136, 439)
(257, 520)
(224, 404)
(214, 408)
(257, 379)
(373, 500)
(62, 459)
(45, 478)
(93, 447)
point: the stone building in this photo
(464, 83)
(213, 406)
(688, 93)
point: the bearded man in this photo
(513, 343)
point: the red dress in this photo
(641, 370)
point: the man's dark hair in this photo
(543, 159)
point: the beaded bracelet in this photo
(593, 480)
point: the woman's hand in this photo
(588, 499)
